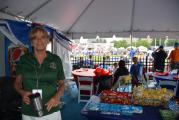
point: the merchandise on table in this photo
(168, 115)
(113, 97)
(127, 88)
(93, 106)
(125, 80)
(174, 106)
(151, 97)
(114, 109)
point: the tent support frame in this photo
(37, 9)
(132, 20)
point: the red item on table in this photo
(101, 72)
(113, 97)
(176, 77)
(162, 73)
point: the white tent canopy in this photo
(88, 18)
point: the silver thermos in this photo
(36, 103)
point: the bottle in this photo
(36, 103)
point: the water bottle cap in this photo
(34, 95)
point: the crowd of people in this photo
(85, 63)
(136, 69)
(159, 56)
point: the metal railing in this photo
(105, 62)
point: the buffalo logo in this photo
(53, 65)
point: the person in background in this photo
(81, 63)
(136, 71)
(42, 72)
(174, 57)
(89, 62)
(132, 53)
(115, 66)
(159, 56)
(121, 70)
(106, 62)
(149, 53)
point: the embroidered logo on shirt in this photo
(53, 65)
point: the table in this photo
(168, 78)
(84, 72)
(104, 82)
(149, 113)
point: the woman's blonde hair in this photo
(34, 32)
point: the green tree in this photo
(119, 44)
(171, 42)
(158, 40)
(144, 43)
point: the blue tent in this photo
(17, 33)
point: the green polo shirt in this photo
(49, 72)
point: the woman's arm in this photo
(61, 88)
(18, 87)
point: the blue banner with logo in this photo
(17, 41)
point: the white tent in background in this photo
(88, 18)
(122, 49)
(142, 48)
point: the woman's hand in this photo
(53, 102)
(25, 97)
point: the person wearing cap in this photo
(159, 56)
(174, 57)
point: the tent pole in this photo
(160, 42)
(132, 21)
(10, 14)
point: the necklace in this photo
(38, 75)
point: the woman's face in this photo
(40, 41)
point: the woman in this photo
(122, 70)
(41, 72)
